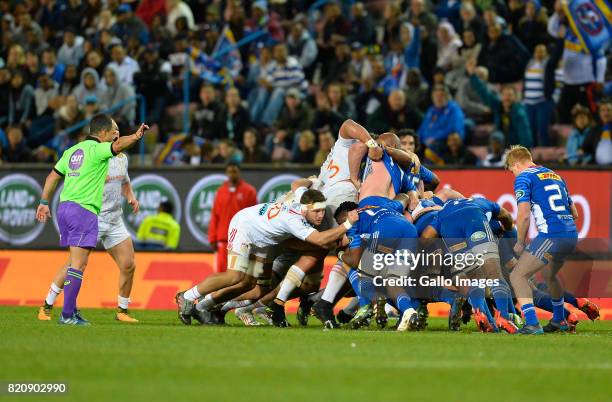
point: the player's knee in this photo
(128, 267)
(247, 282)
(235, 277)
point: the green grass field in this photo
(163, 360)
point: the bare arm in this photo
(404, 158)
(127, 141)
(435, 182)
(356, 154)
(352, 256)
(297, 183)
(574, 211)
(331, 235)
(353, 130)
(446, 194)
(42, 212)
(506, 219)
(522, 222)
(128, 192)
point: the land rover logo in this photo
(276, 187)
(19, 195)
(199, 203)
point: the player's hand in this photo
(519, 248)
(375, 153)
(352, 217)
(135, 205)
(43, 213)
(141, 130)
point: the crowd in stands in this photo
(469, 77)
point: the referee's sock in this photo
(72, 285)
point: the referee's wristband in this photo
(372, 143)
(43, 202)
(348, 225)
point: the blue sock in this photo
(558, 310)
(403, 303)
(444, 295)
(503, 296)
(530, 314)
(511, 307)
(476, 296)
(355, 283)
(368, 290)
(544, 301)
(571, 299)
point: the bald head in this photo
(390, 140)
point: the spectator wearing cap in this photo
(71, 51)
(303, 47)
(394, 114)
(236, 117)
(442, 119)
(502, 56)
(583, 124)
(362, 26)
(456, 153)
(115, 93)
(89, 86)
(152, 81)
(286, 73)
(127, 25)
(176, 9)
(532, 27)
(207, 120)
(597, 146)
(497, 155)
(509, 114)
(126, 66)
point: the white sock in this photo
(192, 294)
(206, 303)
(124, 302)
(232, 304)
(292, 280)
(54, 291)
(336, 280)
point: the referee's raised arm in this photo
(126, 142)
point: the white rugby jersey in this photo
(336, 166)
(116, 175)
(269, 224)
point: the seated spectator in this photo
(68, 115)
(471, 103)
(455, 153)
(95, 60)
(362, 27)
(597, 146)
(295, 116)
(51, 67)
(417, 91)
(176, 9)
(325, 119)
(70, 80)
(442, 119)
(448, 45)
(303, 47)
(394, 114)
(71, 51)
(338, 101)
(497, 155)
(469, 50)
(45, 98)
(285, 74)
(305, 151)
(532, 27)
(338, 68)
(449, 10)
(152, 82)
(207, 120)
(228, 153)
(16, 57)
(91, 108)
(359, 66)
(252, 152)
(118, 93)
(470, 20)
(160, 231)
(583, 125)
(326, 143)
(235, 117)
(502, 57)
(509, 114)
(32, 68)
(47, 90)
(21, 100)
(5, 90)
(89, 86)
(419, 16)
(334, 28)
(17, 150)
(126, 66)
(128, 25)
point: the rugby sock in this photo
(192, 294)
(544, 301)
(511, 307)
(54, 291)
(476, 297)
(336, 280)
(123, 302)
(502, 296)
(558, 310)
(232, 304)
(354, 280)
(529, 313)
(72, 285)
(368, 290)
(444, 295)
(206, 303)
(571, 299)
(292, 280)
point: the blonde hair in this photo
(517, 153)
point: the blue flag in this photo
(590, 22)
(226, 52)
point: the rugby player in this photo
(84, 168)
(544, 193)
(252, 235)
(114, 237)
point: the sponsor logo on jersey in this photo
(478, 236)
(199, 203)
(76, 159)
(549, 176)
(150, 190)
(19, 195)
(519, 194)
